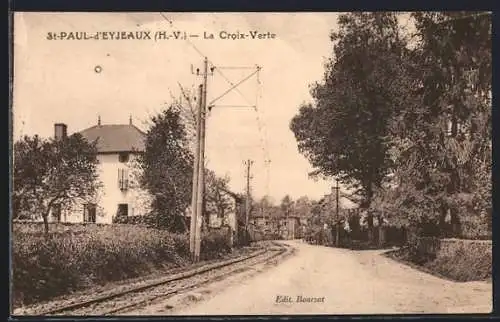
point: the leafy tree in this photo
(345, 133)
(302, 207)
(166, 169)
(217, 198)
(53, 172)
(286, 205)
(444, 138)
(264, 206)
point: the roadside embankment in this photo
(460, 260)
(77, 257)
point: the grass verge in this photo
(76, 258)
(461, 263)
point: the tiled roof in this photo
(116, 137)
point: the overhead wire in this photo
(261, 127)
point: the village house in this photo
(289, 227)
(230, 217)
(118, 146)
(284, 227)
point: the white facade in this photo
(118, 187)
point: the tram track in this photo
(137, 296)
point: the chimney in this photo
(130, 120)
(60, 131)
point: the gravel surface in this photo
(348, 282)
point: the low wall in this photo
(458, 259)
(451, 245)
(447, 246)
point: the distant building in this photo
(118, 146)
(290, 227)
(286, 228)
(230, 217)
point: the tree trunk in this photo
(381, 232)
(45, 217)
(184, 224)
(337, 235)
(369, 220)
(455, 223)
(442, 221)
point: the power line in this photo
(234, 87)
(233, 106)
(231, 83)
(236, 67)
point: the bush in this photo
(458, 259)
(75, 257)
(423, 249)
(463, 260)
(215, 244)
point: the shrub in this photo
(423, 249)
(458, 259)
(463, 260)
(73, 257)
(215, 244)
(143, 220)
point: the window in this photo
(122, 210)
(123, 157)
(56, 212)
(123, 179)
(89, 213)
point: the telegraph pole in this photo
(194, 196)
(337, 230)
(337, 197)
(247, 203)
(198, 197)
(201, 164)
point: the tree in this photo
(286, 205)
(217, 198)
(264, 206)
(345, 132)
(166, 169)
(302, 207)
(444, 139)
(53, 172)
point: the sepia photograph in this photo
(291, 163)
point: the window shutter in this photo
(85, 211)
(125, 171)
(123, 179)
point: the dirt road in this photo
(322, 280)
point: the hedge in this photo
(73, 259)
(458, 259)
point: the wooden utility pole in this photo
(198, 189)
(337, 225)
(247, 201)
(194, 197)
(337, 198)
(201, 165)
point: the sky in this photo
(56, 81)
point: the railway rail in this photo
(134, 297)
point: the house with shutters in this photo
(118, 146)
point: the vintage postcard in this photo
(251, 163)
